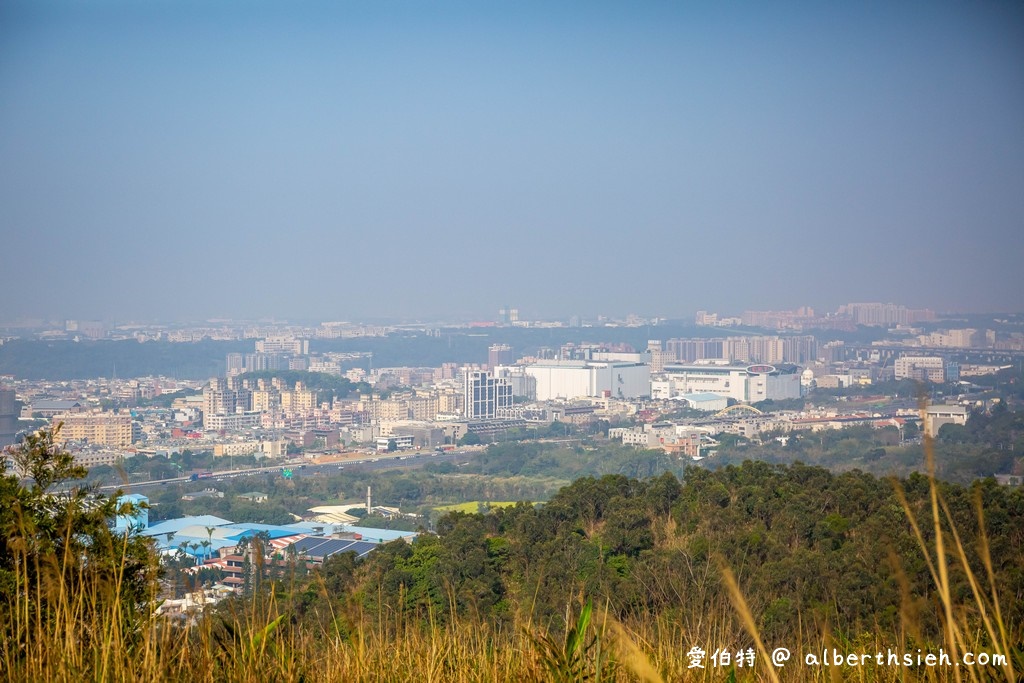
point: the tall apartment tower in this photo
(500, 354)
(485, 394)
(234, 364)
(507, 316)
(221, 398)
(8, 417)
(658, 355)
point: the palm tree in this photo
(209, 534)
(174, 569)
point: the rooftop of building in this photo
(703, 397)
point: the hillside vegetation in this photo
(615, 578)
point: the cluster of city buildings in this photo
(698, 438)
(214, 330)
(242, 414)
(846, 317)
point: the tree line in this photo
(809, 548)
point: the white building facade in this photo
(485, 394)
(743, 383)
(576, 379)
(921, 368)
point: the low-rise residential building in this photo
(89, 457)
(98, 428)
(235, 422)
(205, 493)
(261, 449)
(921, 368)
(679, 440)
(935, 416)
(399, 443)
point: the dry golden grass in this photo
(265, 649)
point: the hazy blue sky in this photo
(337, 160)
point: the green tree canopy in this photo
(57, 540)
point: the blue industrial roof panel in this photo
(173, 526)
(378, 535)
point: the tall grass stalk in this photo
(955, 627)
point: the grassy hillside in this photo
(613, 579)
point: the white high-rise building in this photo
(485, 394)
(293, 345)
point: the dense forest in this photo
(809, 549)
(68, 360)
(990, 443)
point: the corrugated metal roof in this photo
(378, 535)
(284, 541)
(54, 404)
(326, 547)
(173, 526)
(247, 530)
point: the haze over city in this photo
(183, 160)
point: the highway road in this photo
(410, 459)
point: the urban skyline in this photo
(845, 316)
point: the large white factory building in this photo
(568, 379)
(744, 383)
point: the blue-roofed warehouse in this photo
(316, 550)
(204, 537)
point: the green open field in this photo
(473, 506)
